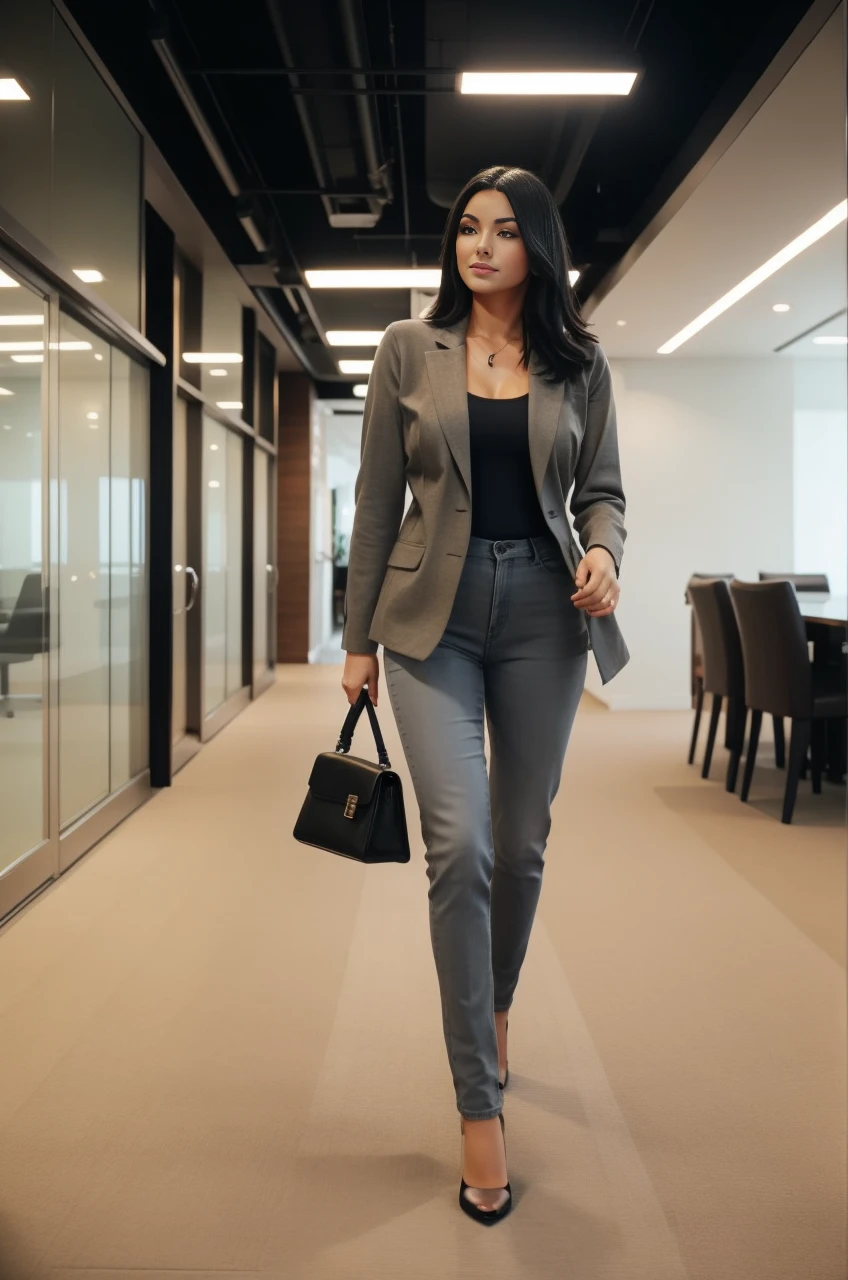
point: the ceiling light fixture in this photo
(214, 484)
(354, 337)
(92, 417)
(28, 359)
(12, 91)
(88, 275)
(835, 340)
(360, 390)
(26, 320)
(6, 282)
(4, 392)
(229, 404)
(212, 357)
(830, 220)
(356, 366)
(7, 426)
(780, 306)
(577, 83)
(217, 373)
(21, 346)
(379, 278)
(69, 346)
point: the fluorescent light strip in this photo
(39, 346)
(354, 337)
(796, 246)
(212, 357)
(217, 373)
(28, 359)
(6, 282)
(229, 404)
(579, 83)
(360, 390)
(24, 320)
(88, 275)
(356, 366)
(396, 278)
(4, 392)
(834, 340)
(11, 91)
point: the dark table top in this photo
(821, 607)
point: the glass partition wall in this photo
(73, 583)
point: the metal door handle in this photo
(195, 583)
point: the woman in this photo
(486, 608)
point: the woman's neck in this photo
(498, 316)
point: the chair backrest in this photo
(800, 581)
(724, 672)
(26, 626)
(778, 678)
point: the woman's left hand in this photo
(597, 586)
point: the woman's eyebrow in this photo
(474, 218)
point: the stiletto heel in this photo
(486, 1216)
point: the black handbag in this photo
(355, 807)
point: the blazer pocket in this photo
(406, 555)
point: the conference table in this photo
(826, 618)
(829, 610)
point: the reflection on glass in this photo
(23, 623)
(223, 454)
(222, 331)
(128, 571)
(84, 571)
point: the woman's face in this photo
(490, 252)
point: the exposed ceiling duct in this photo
(342, 134)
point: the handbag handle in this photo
(346, 735)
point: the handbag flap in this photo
(336, 776)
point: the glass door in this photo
(27, 858)
(264, 573)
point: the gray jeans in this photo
(515, 648)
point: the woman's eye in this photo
(510, 234)
(465, 227)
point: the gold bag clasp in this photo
(350, 806)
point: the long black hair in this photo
(551, 323)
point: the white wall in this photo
(320, 534)
(707, 464)
(820, 470)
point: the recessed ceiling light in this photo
(354, 337)
(398, 278)
(88, 275)
(835, 340)
(28, 359)
(12, 91)
(356, 366)
(229, 404)
(6, 282)
(69, 346)
(27, 320)
(214, 484)
(212, 357)
(217, 373)
(360, 390)
(579, 83)
(780, 306)
(621, 322)
(97, 355)
(92, 417)
(830, 220)
(7, 426)
(214, 448)
(5, 392)
(21, 346)
(73, 577)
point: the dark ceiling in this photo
(343, 167)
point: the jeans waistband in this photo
(512, 548)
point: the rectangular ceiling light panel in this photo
(12, 91)
(212, 357)
(577, 83)
(355, 366)
(354, 337)
(830, 220)
(379, 278)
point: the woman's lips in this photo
(482, 269)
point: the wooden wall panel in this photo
(293, 491)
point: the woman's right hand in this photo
(360, 669)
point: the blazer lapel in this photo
(544, 408)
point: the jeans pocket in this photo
(554, 564)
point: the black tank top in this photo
(504, 503)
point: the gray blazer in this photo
(402, 580)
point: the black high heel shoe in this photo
(486, 1216)
(502, 1084)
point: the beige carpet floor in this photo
(221, 1052)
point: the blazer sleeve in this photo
(380, 494)
(597, 501)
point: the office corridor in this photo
(222, 1050)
